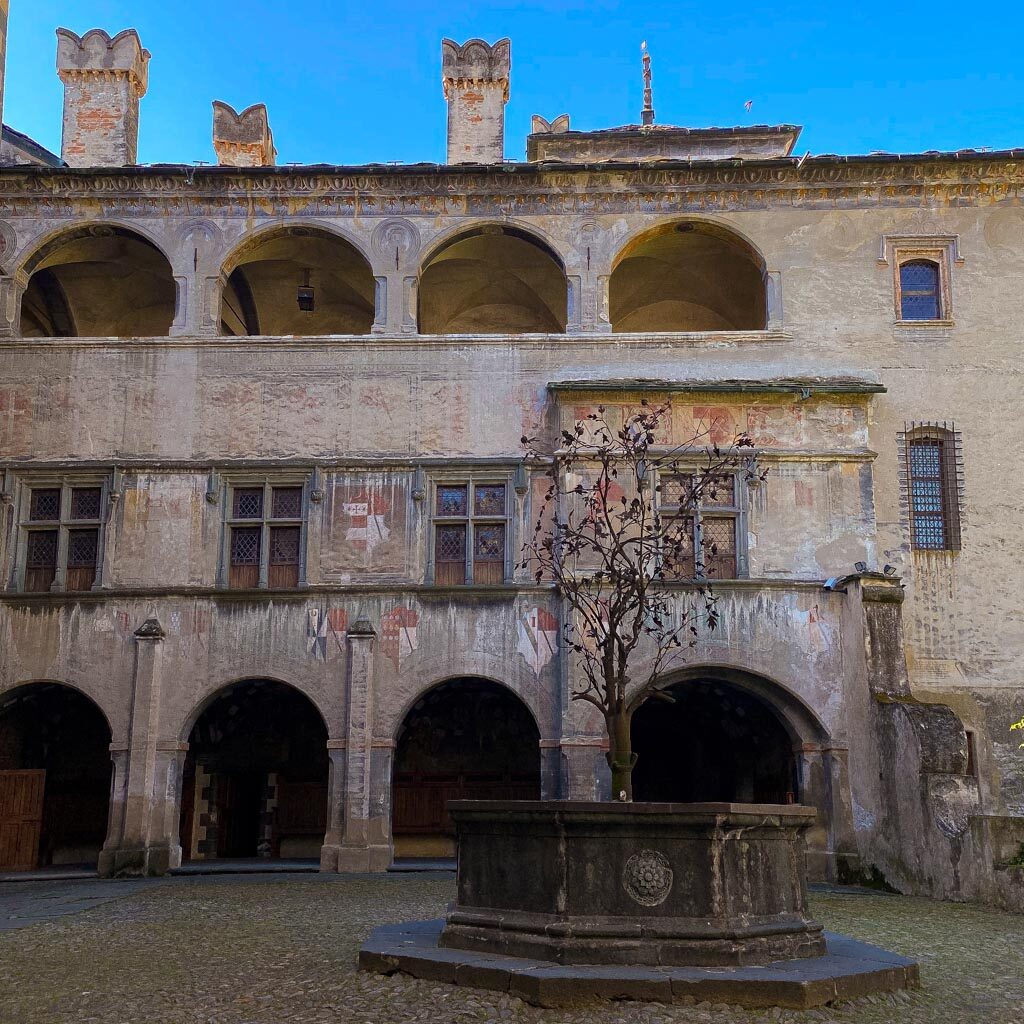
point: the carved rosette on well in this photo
(647, 878)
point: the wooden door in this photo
(21, 818)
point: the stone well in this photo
(633, 883)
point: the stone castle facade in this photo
(263, 491)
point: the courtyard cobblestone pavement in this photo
(259, 950)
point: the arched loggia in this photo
(255, 777)
(465, 739)
(718, 741)
(54, 777)
(98, 280)
(493, 279)
(688, 276)
(297, 280)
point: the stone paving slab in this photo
(850, 969)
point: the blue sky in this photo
(359, 82)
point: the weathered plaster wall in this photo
(170, 409)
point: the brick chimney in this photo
(245, 139)
(475, 76)
(104, 79)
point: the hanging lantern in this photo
(305, 297)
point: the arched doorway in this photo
(54, 777)
(255, 777)
(98, 281)
(717, 742)
(687, 276)
(297, 281)
(467, 739)
(493, 279)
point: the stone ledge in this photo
(849, 970)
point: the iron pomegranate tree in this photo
(618, 530)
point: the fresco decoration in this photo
(398, 639)
(325, 633)
(365, 526)
(538, 638)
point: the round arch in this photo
(730, 735)
(55, 770)
(689, 274)
(99, 280)
(462, 738)
(256, 774)
(297, 279)
(492, 278)
(12, 692)
(218, 691)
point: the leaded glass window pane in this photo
(85, 503)
(489, 543)
(919, 291)
(42, 549)
(489, 500)
(286, 503)
(82, 546)
(245, 545)
(719, 492)
(248, 503)
(452, 500)
(677, 547)
(675, 490)
(718, 544)
(284, 545)
(451, 543)
(45, 504)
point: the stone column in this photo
(586, 773)
(353, 826)
(475, 77)
(12, 290)
(104, 79)
(140, 844)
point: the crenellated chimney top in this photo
(104, 79)
(475, 77)
(242, 139)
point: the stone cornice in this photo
(535, 188)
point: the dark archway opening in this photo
(54, 778)
(255, 777)
(100, 281)
(717, 742)
(297, 281)
(688, 276)
(467, 739)
(493, 280)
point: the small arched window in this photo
(933, 490)
(920, 291)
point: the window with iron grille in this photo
(62, 537)
(470, 531)
(265, 535)
(932, 477)
(702, 526)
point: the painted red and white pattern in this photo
(398, 634)
(538, 638)
(325, 632)
(368, 512)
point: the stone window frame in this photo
(471, 477)
(737, 511)
(66, 483)
(942, 250)
(267, 481)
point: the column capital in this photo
(150, 630)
